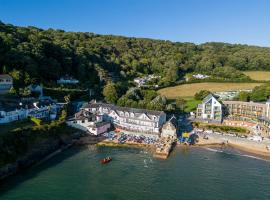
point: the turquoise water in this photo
(194, 173)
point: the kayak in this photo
(106, 160)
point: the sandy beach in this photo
(242, 144)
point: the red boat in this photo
(106, 160)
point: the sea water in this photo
(133, 174)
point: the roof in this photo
(99, 124)
(34, 86)
(244, 103)
(67, 77)
(208, 97)
(173, 120)
(124, 109)
(82, 115)
(5, 76)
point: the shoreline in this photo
(250, 151)
(258, 149)
(249, 147)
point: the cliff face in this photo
(38, 152)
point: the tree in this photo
(67, 99)
(25, 92)
(149, 94)
(63, 115)
(201, 95)
(32, 53)
(244, 96)
(172, 74)
(122, 101)
(180, 103)
(5, 69)
(110, 93)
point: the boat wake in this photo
(214, 150)
(145, 163)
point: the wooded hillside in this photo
(48, 54)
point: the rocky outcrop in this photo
(40, 150)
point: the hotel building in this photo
(131, 119)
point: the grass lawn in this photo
(191, 104)
(189, 90)
(258, 75)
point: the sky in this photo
(197, 21)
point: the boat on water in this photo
(106, 160)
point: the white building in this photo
(67, 80)
(200, 76)
(38, 110)
(90, 122)
(6, 82)
(210, 109)
(169, 129)
(140, 81)
(144, 80)
(131, 119)
(11, 115)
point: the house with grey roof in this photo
(210, 109)
(38, 109)
(6, 82)
(67, 80)
(36, 89)
(90, 122)
(130, 119)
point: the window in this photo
(126, 114)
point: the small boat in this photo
(106, 160)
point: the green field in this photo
(258, 75)
(189, 90)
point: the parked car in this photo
(206, 137)
(256, 138)
(208, 131)
(243, 136)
